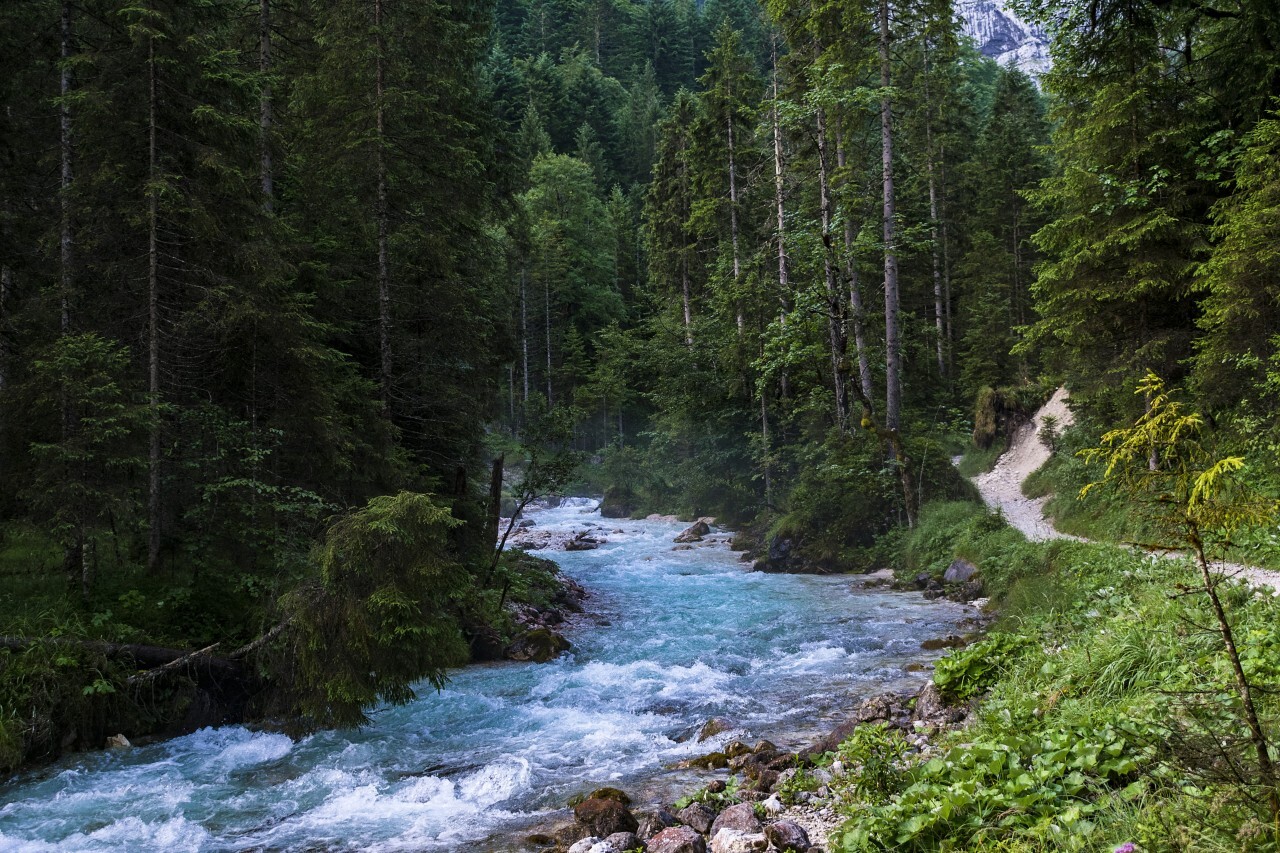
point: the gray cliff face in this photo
(1005, 37)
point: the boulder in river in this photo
(677, 839)
(584, 845)
(539, 645)
(603, 817)
(713, 727)
(618, 502)
(582, 542)
(694, 532)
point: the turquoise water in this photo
(673, 638)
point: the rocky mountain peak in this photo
(1003, 35)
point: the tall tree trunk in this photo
(524, 331)
(546, 294)
(939, 322)
(733, 219)
(784, 282)
(266, 114)
(946, 263)
(857, 308)
(685, 192)
(380, 213)
(153, 312)
(892, 333)
(837, 342)
(66, 239)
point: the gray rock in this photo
(622, 841)
(698, 816)
(585, 845)
(740, 817)
(653, 822)
(787, 835)
(959, 571)
(694, 532)
(677, 839)
(733, 841)
(929, 703)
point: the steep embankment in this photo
(1001, 487)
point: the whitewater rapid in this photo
(672, 639)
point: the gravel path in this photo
(1001, 488)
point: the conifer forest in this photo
(306, 304)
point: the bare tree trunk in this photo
(837, 342)
(380, 213)
(892, 334)
(1266, 770)
(266, 114)
(153, 313)
(946, 263)
(685, 192)
(857, 308)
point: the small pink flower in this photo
(1127, 847)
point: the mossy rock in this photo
(608, 793)
(539, 645)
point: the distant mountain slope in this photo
(1003, 36)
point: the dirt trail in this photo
(1001, 488)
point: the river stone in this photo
(653, 822)
(951, 641)
(540, 645)
(713, 727)
(733, 841)
(698, 816)
(585, 845)
(694, 532)
(677, 839)
(959, 571)
(622, 841)
(787, 835)
(735, 748)
(740, 817)
(608, 793)
(605, 817)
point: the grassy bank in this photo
(1106, 714)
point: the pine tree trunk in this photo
(524, 332)
(66, 239)
(784, 281)
(153, 313)
(546, 293)
(892, 333)
(837, 342)
(266, 113)
(857, 308)
(939, 323)
(380, 213)
(733, 222)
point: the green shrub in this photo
(965, 673)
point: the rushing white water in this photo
(674, 638)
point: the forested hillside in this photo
(282, 277)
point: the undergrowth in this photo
(1106, 714)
